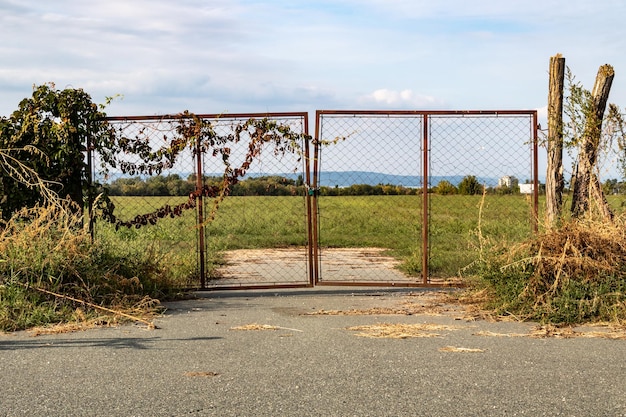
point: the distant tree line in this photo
(275, 185)
(170, 185)
(613, 186)
(470, 185)
(175, 185)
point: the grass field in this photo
(458, 226)
(395, 222)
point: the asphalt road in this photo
(197, 364)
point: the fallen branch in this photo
(149, 324)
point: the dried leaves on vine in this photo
(197, 136)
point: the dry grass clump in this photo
(52, 272)
(400, 331)
(566, 332)
(487, 333)
(460, 349)
(406, 309)
(256, 326)
(60, 328)
(573, 274)
(458, 304)
(583, 250)
(420, 303)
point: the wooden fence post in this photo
(586, 183)
(554, 175)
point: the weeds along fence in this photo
(430, 189)
(174, 205)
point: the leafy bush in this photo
(445, 188)
(47, 134)
(469, 185)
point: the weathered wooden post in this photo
(586, 184)
(554, 175)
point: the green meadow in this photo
(459, 227)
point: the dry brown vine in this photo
(193, 131)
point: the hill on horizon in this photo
(348, 178)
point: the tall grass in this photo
(391, 222)
(51, 271)
(171, 242)
(573, 274)
(569, 274)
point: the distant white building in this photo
(508, 181)
(526, 188)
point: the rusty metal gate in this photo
(260, 236)
(257, 237)
(409, 198)
(375, 198)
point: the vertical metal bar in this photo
(200, 211)
(425, 200)
(314, 194)
(535, 156)
(89, 176)
(309, 208)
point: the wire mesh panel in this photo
(610, 170)
(369, 183)
(377, 226)
(253, 212)
(259, 235)
(150, 197)
(481, 182)
(235, 217)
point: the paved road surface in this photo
(195, 364)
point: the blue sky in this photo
(218, 56)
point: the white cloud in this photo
(488, 9)
(403, 99)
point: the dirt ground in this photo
(290, 266)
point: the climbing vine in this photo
(198, 136)
(53, 131)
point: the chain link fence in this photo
(479, 169)
(136, 190)
(384, 198)
(610, 169)
(260, 236)
(209, 241)
(369, 177)
(489, 161)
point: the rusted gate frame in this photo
(425, 134)
(308, 201)
(312, 182)
(201, 241)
